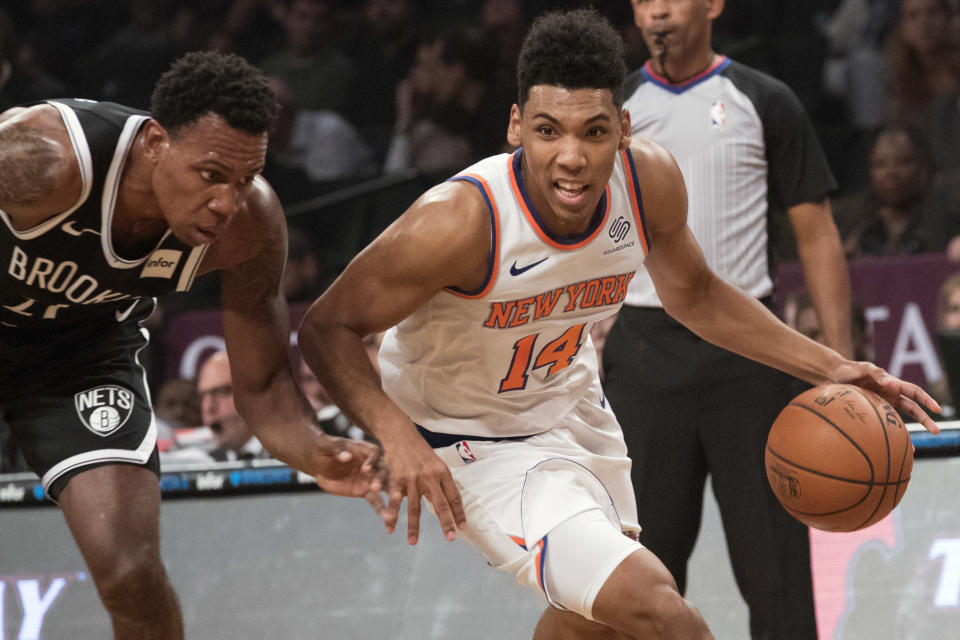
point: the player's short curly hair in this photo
(576, 49)
(225, 84)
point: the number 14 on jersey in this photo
(556, 354)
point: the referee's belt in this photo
(439, 440)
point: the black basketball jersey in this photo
(65, 272)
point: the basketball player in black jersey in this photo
(103, 208)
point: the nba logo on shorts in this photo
(105, 409)
(718, 115)
(465, 454)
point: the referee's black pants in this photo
(688, 409)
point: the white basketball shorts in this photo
(552, 509)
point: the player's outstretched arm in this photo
(256, 328)
(722, 314)
(442, 240)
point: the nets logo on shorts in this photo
(105, 409)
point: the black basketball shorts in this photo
(76, 400)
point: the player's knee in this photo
(665, 614)
(132, 583)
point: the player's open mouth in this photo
(570, 192)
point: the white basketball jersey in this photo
(514, 357)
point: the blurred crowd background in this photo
(383, 98)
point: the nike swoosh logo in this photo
(70, 227)
(123, 315)
(515, 270)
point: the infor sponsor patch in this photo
(162, 263)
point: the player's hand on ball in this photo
(904, 396)
(349, 468)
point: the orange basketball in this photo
(839, 457)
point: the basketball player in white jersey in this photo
(490, 404)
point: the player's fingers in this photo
(456, 502)
(381, 476)
(444, 511)
(912, 399)
(413, 514)
(373, 465)
(392, 512)
(337, 447)
(923, 398)
(370, 459)
(914, 411)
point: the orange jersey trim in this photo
(494, 260)
(636, 202)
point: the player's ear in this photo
(626, 131)
(513, 127)
(155, 139)
(714, 9)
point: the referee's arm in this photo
(825, 270)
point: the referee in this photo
(688, 408)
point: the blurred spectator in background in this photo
(332, 420)
(176, 409)
(504, 23)
(320, 75)
(901, 212)
(940, 124)
(233, 436)
(384, 49)
(304, 277)
(124, 67)
(310, 148)
(923, 53)
(178, 404)
(854, 71)
(23, 77)
(445, 108)
(799, 313)
(948, 330)
(251, 28)
(58, 32)
(8, 50)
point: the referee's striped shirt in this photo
(745, 147)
